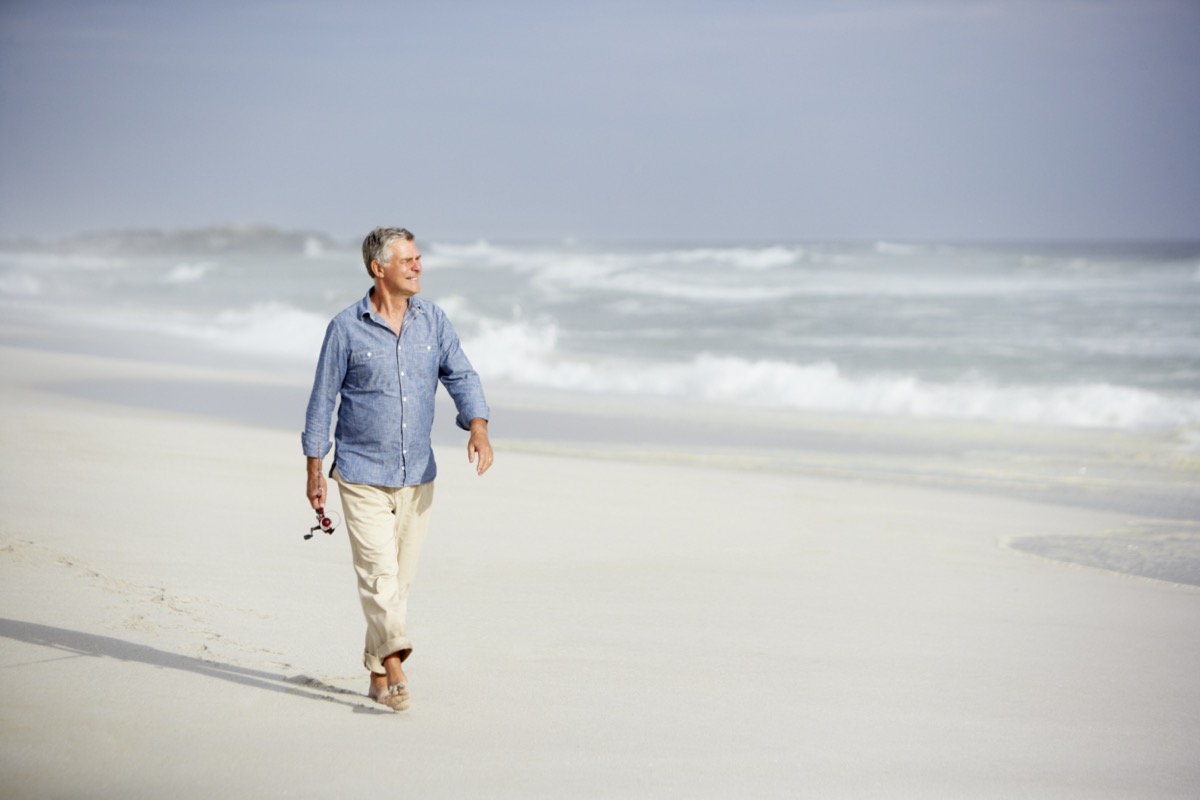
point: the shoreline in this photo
(1024, 462)
(1146, 473)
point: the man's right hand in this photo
(318, 491)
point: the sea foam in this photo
(525, 353)
(270, 329)
(1077, 336)
(187, 273)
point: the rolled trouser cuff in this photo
(374, 661)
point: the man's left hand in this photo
(478, 446)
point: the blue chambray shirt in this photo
(387, 383)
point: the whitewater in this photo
(1064, 335)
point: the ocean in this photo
(1090, 335)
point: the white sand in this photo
(584, 628)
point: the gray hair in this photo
(375, 246)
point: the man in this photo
(385, 355)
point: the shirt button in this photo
(401, 373)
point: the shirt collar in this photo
(364, 306)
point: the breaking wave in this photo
(1096, 336)
(526, 353)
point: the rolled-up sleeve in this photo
(331, 371)
(459, 377)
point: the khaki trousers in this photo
(386, 528)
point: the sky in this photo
(754, 120)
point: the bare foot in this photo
(395, 671)
(390, 688)
(378, 687)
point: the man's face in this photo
(402, 275)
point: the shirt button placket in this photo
(403, 425)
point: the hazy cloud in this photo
(773, 120)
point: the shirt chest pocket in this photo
(373, 371)
(421, 358)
